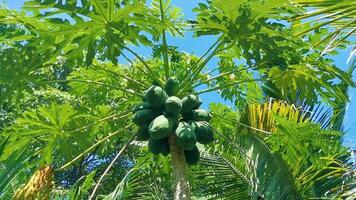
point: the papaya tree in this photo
(89, 114)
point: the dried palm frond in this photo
(38, 187)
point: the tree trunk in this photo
(181, 186)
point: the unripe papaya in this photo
(192, 156)
(186, 138)
(141, 106)
(142, 134)
(189, 102)
(161, 127)
(158, 146)
(156, 96)
(198, 104)
(203, 132)
(172, 86)
(173, 106)
(165, 148)
(143, 97)
(197, 115)
(156, 82)
(144, 117)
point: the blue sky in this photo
(199, 46)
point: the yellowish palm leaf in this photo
(261, 116)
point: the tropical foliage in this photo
(334, 21)
(71, 72)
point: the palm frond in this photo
(147, 180)
(261, 115)
(255, 160)
(10, 169)
(217, 178)
(307, 160)
(326, 165)
(338, 16)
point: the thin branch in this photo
(210, 71)
(323, 24)
(242, 124)
(334, 33)
(92, 147)
(164, 42)
(139, 83)
(195, 66)
(133, 64)
(221, 75)
(123, 115)
(138, 57)
(320, 11)
(110, 166)
(195, 74)
(150, 73)
(226, 85)
(128, 59)
(98, 83)
(340, 40)
(201, 58)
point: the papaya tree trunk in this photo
(181, 188)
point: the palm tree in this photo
(337, 18)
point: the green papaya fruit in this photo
(142, 134)
(156, 96)
(189, 102)
(156, 83)
(198, 104)
(161, 127)
(143, 97)
(186, 138)
(172, 86)
(192, 156)
(144, 117)
(158, 146)
(203, 132)
(197, 115)
(165, 147)
(173, 106)
(141, 106)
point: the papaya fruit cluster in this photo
(162, 113)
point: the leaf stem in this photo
(195, 67)
(150, 73)
(195, 74)
(164, 42)
(121, 115)
(111, 165)
(210, 71)
(227, 85)
(220, 75)
(92, 147)
(128, 60)
(98, 83)
(138, 83)
(242, 124)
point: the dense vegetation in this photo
(73, 87)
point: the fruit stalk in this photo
(181, 187)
